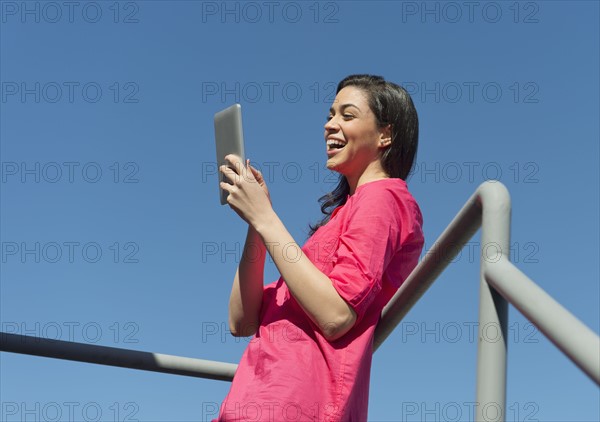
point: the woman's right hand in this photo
(260, 179)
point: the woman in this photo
(310, 357)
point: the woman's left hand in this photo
(247, 196)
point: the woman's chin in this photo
(331, 164)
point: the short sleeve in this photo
(370, 239)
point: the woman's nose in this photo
(331, 125)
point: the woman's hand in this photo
(248, 193)
(259, 179)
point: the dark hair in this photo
(391, 105)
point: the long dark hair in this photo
(391, 105)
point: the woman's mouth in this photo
(334, 146)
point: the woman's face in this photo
(351, 133)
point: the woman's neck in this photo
(371, 173)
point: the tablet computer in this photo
(229, 138)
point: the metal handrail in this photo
(500, 281)
(568, 333)
(114, 356)
(444, 249)
(488, 208)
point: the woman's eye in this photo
(346, 116)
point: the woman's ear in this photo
(385, 136)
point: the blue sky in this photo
(111, 228)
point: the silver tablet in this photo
(229, 138)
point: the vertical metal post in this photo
(493, 308)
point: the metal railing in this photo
(500, 282)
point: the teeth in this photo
(333, 143)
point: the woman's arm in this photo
(247, 290)
(312, 289)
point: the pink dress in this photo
(289, 371)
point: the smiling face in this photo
(354, 139)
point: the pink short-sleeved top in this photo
(289, 371)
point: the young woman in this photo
(310, 357)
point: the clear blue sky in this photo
(111, 228)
